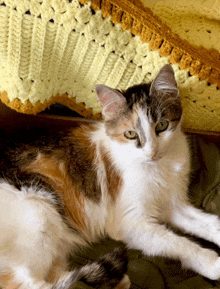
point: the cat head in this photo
(144, 117)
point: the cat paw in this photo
(214, 272)
(206, 262)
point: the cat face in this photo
(145, 117)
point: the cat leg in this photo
(197, 222)
(155, 239)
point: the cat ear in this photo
(112, 101)
(165, 81)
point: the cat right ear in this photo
(165, 82)
(112, 101)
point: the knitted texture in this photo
(193, 19)
(58, 50)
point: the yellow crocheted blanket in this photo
(58, 50)
(195, 21)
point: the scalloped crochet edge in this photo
(139, 20)
(64, 99)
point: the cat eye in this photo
(162, 126)
(131, 134)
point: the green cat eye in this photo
(131, 134)
(162, 126)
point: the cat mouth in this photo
(155, 158)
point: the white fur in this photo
(33, 236)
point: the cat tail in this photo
(109, 271)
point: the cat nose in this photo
(153, 154)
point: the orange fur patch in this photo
(119, 133)
(116, 132)
(114, 180)
(6, 281)
(134, 117)
(56, 175)
(81, 134)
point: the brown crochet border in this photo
(64, 99)
(139, 20)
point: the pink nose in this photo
(153, 154)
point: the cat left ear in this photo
(112, 101)
(165, 82)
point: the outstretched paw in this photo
(213, 273)
(216, 270)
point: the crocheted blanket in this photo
(58, 50)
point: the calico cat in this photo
(125, 177)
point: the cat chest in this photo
(150, 190)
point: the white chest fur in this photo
(150, 188)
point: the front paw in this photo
(212, 271)
(206, 262)
(215, 274)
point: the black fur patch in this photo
(107, 271)
(104, 273)
(161, 104)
